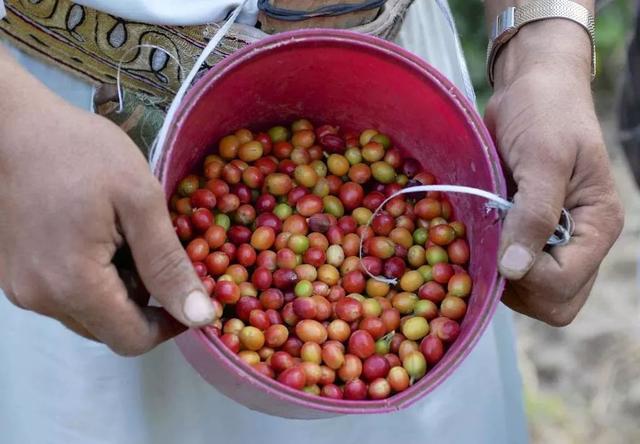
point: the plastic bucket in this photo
(357, 82)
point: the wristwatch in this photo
(509, 22)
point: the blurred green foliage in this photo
(613, 24)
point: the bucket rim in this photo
(438, 373)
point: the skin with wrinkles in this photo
(543, 118)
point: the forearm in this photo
(19, 89)
(558, 40)
(23, 101)
(13, 81)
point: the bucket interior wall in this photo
(357, 85)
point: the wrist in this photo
(20, 91)
(551, 44)
(24, 101)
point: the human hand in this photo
(543, 118)
(74, 189)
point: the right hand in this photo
(74, 189)
(545, 124)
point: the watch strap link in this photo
(509, 22)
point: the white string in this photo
(157, 149)
(562, 236)
(118, 82)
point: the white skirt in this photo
(58, 388)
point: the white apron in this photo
(57, 388)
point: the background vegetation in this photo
(615, 18)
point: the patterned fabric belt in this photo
(93, 44)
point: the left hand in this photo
(543, 118)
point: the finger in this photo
(134, 285)
(68, 322)
(161, 261)
(52, 313)
(12, 298)
(563, 271)
(107, 312)
(556, 314)
(76, 327)
(560, 281)
(533, 217)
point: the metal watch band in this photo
(509, 22)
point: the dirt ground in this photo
(582, 382)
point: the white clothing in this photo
(168, 12)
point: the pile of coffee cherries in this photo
(273, 226)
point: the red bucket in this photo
(357, 82)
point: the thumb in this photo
(161, 262)
(532, 219)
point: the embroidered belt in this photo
(92, 44)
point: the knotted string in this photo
(156, 152)
(157, 149)
(561, 236)
(118, 80)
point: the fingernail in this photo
(198, 308)
(516, 259)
